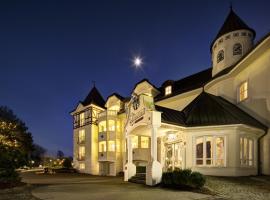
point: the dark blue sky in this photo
(51, 51)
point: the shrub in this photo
(197, 180)
(182, 179)
(167, 179)
(67, 163)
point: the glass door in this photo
(174, 156)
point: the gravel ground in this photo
(235, 188)
(240, 188)
(18, 193)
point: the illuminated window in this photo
(102, 146)
(118, 146)
(237, 49)
(220, 56)
(220, 151)
(208, 146)
(246, 151)
(199, 151)
(144, 142)
(82, 165)
(102, 126)
(81, 136)
(118, 127)
(111, 145)
(168, 90)
(82, 119)
(115, 107)
(81, 152)
(209, 151)
(243, 91)
(134, 142)
(111, 124)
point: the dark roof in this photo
(171, 116)
(206, 110)
(94, 97)
(186, 84)
(232, 23)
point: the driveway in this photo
(83, 187)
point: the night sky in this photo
(51, 51)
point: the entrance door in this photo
(174, 156)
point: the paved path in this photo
(84, 187)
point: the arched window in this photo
(220, 56)
(237, 49)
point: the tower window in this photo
(220, 56)
(237, 49)
(228, 37)
(236, 34)
(168, 90)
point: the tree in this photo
(60, 154)
(67, 163)
(16, 144)
(37, 154)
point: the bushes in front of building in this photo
(183, 179)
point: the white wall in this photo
(232, 150)
(226, 44)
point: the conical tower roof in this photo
(232, 23)
(94, 97)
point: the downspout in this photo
(259, 153)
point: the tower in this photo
(234, 39)
(85, 132)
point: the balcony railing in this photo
(80, 158)
(107, 113)
(80, 141)
(107, 156)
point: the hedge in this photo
(183, 179)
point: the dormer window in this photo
(237, 49)
(168, 90)
(220, 56)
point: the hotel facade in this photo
(216, 121)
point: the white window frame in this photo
(239, 91)
(245, 162)
(82, 118)
(168, 90)
(80, 166)
(214, 151)
(81, 132)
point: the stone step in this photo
(138, 178)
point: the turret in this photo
(232, 42)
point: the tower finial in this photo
(231, 8)
(94, 83)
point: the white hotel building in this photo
(216, 121)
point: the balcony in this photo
(80, 158)
(107, 156)
(79, 141)
(107, 135)
(107, 113)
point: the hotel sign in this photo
(138, 110)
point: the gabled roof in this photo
(208, 110)
(186, 84)
(94, 97)
(117, 96)
(232, 23)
